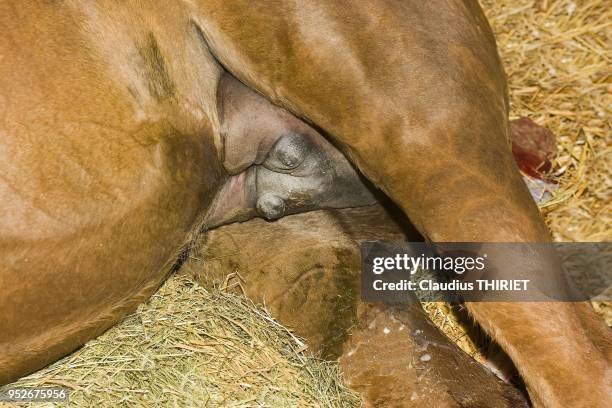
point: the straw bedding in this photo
(191, 347)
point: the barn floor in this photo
(557, 60)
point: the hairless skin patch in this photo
(278, 165)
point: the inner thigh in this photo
(277, 163)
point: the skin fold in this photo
(278, 164)
(113, 154)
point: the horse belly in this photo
(100, 187)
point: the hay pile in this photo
(191, 347)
